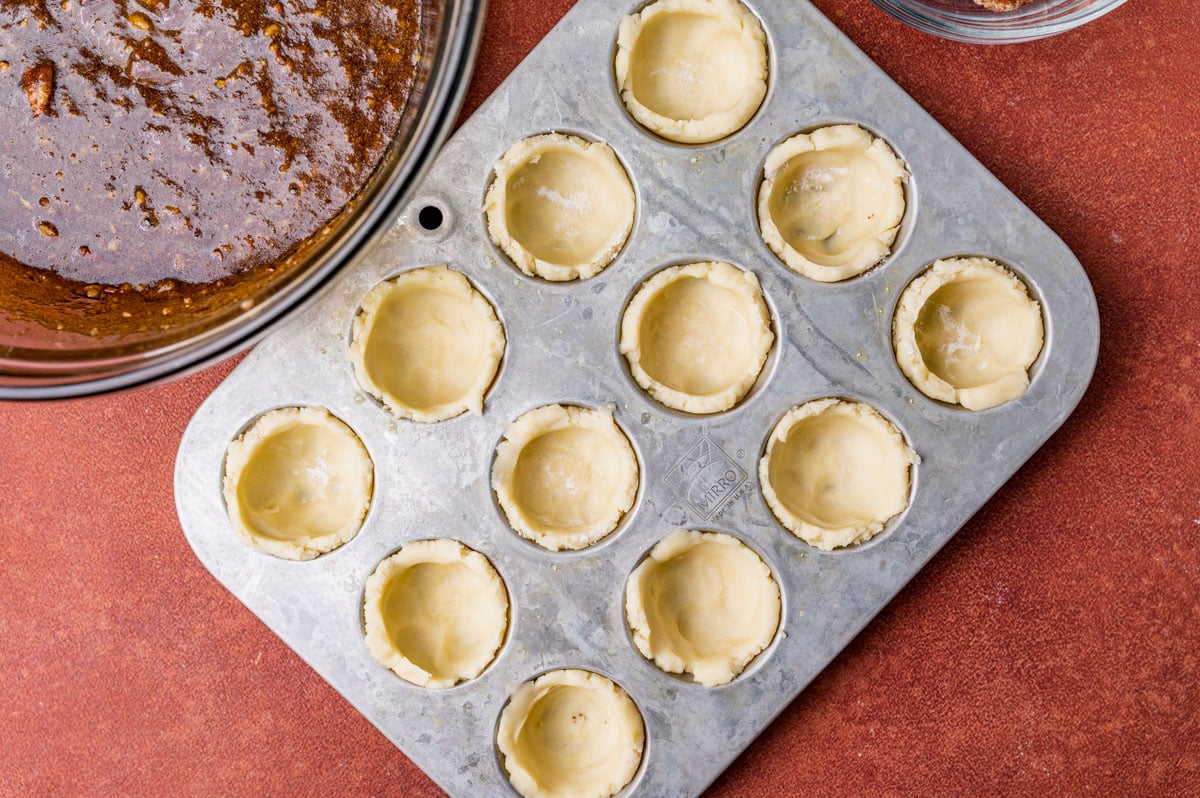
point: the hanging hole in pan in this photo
(431, 218)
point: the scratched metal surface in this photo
(700, 472)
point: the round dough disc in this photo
(297, 483)
(435, 613)
(560, 207)
(692, 71)
(570, 734)
(702, 603)
(696, 336)
(966, 332)
(831, 202)
(564, 476)
(835, 472)
(427, 344)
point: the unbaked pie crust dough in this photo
(570, 734)
(702, 603)
(564, 476)
(831, 202)
(427, 345)
(297, 483)
(435, 613)
(696, 336)
(692, 71)
(835, 472)
(966, 332)
(560, 207)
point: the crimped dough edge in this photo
(440, 277)
(444, 551)
(550, 418)
(820, 537)
(714, 126)
(759, 631)
(1012, 385)
(241, 451)
(870, 251)
(496, 218)
(522, 774)
(745, 287)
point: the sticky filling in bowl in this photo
(161, 152)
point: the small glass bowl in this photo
(964, 21)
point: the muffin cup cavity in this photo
(835, 472)
(966, 331)
(831, 202)
(297, 483)
(702, 603)
(565, 476)
(427, 345)
(570, 734)
(435, 613)
(692, 71)
(696, 336)
(560, 207)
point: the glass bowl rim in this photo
(991, 27)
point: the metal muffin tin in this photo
(699, 472)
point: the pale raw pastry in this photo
(692, 71)
(427, 344)
(435, 613)
(966, 332)
(696, 336)
(702, 603)
(564, 476)
(570, 734)
(835, 472)
(297, 483)
(560, 207)
(831, 201)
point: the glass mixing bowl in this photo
(97, 338)
(964, 21)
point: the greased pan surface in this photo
(693, 203)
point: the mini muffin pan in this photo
(694, 203)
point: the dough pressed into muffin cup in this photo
(835, 472)
(702, 603)
(831, 202)
(565, 476)
(435, 613)
(570, 734)
(559, 206)
(427, 344)
(692, 71)
(297, 483)
(696, 336)
(966, 332)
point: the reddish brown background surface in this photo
(1051, 648)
